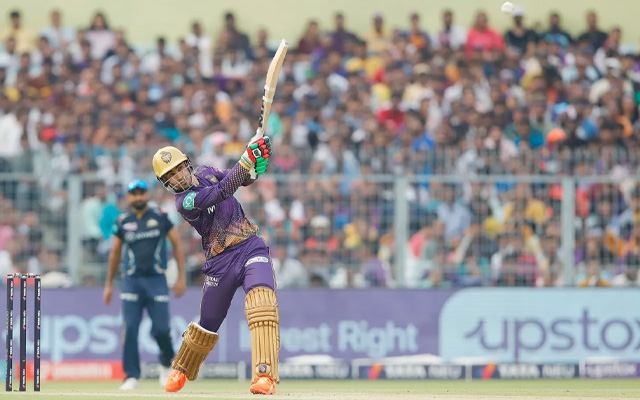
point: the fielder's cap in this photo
(137, 184)
(518, 11)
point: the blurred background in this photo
(419, 146)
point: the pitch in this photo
(353, 390)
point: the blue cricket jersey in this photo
(144, 245)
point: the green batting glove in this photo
(261, 165)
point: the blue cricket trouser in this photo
(138, 293)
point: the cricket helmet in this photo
(167, 159)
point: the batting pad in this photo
(197, 343)
(261, 308)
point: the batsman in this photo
(235, 255)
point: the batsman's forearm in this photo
(249, 180)
(234, 179)
(114, 261)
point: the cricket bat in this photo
(270, 87)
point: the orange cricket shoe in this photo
(264, 385)
(175, 382)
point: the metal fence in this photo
(371, 230)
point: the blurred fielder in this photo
(142, 232)
(236, 257)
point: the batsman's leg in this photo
(261, 308)
(201, 338)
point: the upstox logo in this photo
(514, 325)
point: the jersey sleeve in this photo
(185, 206)
(220, 174)
(194, 202)
(209, 172)
(117, 227)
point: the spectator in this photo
(58, 36)
(610, 48)
(593, 37)
(611, 84)
(451, 36)
(204, 46)
(52, 274)
(264, 47)
(92, 212)
(455, 216)
(341, 36)
(521, 131)
(233, 66)
(556, 34)
(416, 36)
(519, 37)
(7, 255)
(391, 115)
(11, 133)
(482, 37)
(9, 57)
(628, 278)
(290, 273)
(100, 37)
(237, 40)
(310, 40)
(594, 277)
(151, 62)
(25, 39)
(378, 40)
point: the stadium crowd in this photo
(355, 111)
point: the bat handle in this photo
(259, 134)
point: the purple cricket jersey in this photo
(213, 211)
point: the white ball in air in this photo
(507, 7)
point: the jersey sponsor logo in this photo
(189, 201)
(128, 296)
(130, 226)
(133, 236)
(152, 223)
(161, 299)
(212, 281)
(257, 259)
(211, 209)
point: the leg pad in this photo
(197, 343)
(261, 308)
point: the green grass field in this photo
(348, 390)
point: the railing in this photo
(360, 231)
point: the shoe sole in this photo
(255, 391)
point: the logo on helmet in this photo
(165, 156)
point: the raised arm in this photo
(252, 163)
